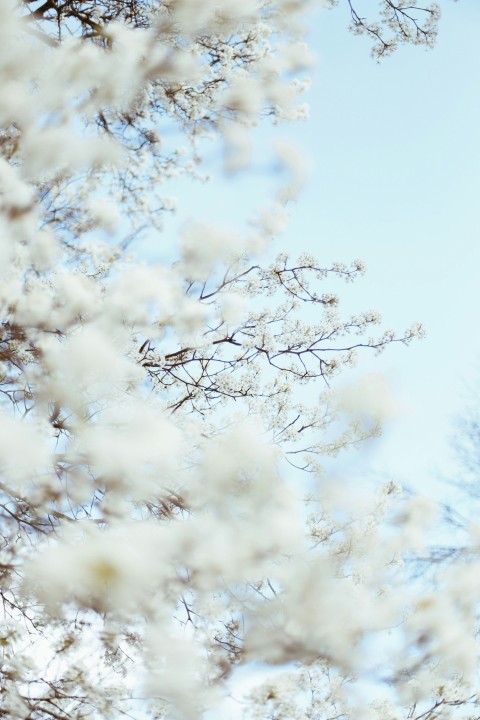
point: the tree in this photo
(152, 540)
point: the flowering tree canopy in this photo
(154, 538)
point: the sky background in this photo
(394, 154)
(396, 148)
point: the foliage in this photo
(399, 22)
(153, 539)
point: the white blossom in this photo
(154, 536)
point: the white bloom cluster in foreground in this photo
(153, 537)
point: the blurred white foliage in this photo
(369, 399)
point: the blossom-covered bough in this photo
(153, 538)
(398, 23)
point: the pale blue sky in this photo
(395, 181)
(397, 152)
